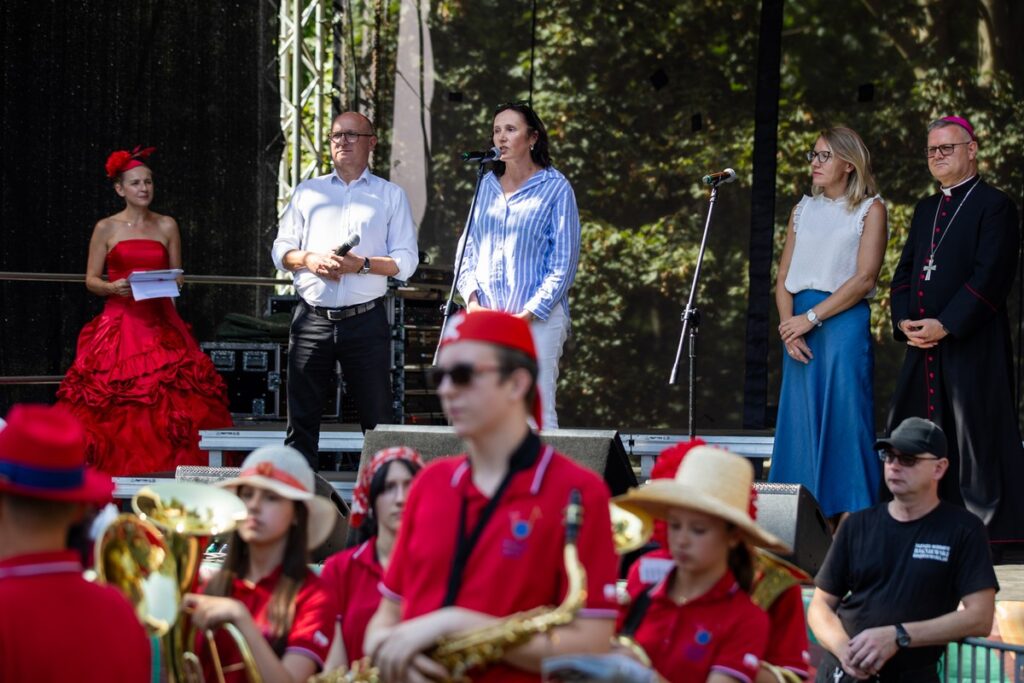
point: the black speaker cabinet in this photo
(600, 451)
(791, 512)
(334, 542)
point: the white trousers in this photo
(548, 337)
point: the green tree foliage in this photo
(641, 99)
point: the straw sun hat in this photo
(709, 480)
(283, 470)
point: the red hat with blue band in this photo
(42, 455)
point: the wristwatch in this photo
(813, 317)
(902, 637)
(366, 266)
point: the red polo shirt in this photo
(351, 578)
(721, 631)
(56, 626)
(517, 563)
(787, 646)
(312, 626)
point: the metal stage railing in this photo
(979, 660)
(189, 279)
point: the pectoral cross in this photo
(929, 268)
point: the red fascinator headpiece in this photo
(122, 160)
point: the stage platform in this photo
(642, 448)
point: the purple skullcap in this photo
(963, 123)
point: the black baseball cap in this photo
(914, 436)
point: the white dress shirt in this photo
(324, 212)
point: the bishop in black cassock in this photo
(949, 296)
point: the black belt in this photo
(336, 314)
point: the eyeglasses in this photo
(349, 136)
(461, 374)
(903, 459)
(822, 157)
(944, 150)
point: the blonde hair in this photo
(847, 146)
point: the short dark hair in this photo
(540, 154)
(511, 360)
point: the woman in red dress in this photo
(140, 383)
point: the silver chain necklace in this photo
(928, 269)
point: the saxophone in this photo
(462, 652)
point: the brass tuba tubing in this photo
(177, 519)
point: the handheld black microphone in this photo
(352, 241)
(720, 178)
(482, 157)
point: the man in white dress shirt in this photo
(341, 315)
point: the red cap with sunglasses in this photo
(914, 436)
(498, 328)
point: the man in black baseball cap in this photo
(914, 436)
(903, 567)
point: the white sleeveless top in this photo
(827, 240)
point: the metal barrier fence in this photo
(978, 660)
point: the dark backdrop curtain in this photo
(77, 80)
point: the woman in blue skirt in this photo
(834, 247)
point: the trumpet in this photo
(153, 557)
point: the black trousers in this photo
(361, 345)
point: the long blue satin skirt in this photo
(825, 432)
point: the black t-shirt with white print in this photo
(888, 572)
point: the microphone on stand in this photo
(352, 241)
(483, 157)
(720, 178)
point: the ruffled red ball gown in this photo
(140, 383)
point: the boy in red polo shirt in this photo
(55, 625)
(482, 536)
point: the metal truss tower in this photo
(304, 79)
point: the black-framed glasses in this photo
(943, 150)
(461, 374)
(889, 457)
(349, 136)
(823, 156)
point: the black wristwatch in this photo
(902, 637)
(366, 266)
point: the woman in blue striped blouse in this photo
(522, 254)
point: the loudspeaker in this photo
(598, 450)
(334, 542)
(791, 512)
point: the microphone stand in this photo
(448, 307)
(691, 319)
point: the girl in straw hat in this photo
(698, 623)
(265, 587)
(351, 577)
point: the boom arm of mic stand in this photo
(691, 319)
(449, 306)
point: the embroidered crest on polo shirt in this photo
(522, 528)
(320, 639)
(697, 650)
(931, 551)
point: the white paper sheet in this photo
(154, 284)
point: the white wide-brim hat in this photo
(709, 480)
(284, 470)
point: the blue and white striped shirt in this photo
(523, 251)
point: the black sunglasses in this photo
(902, 458)
(461, 374)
